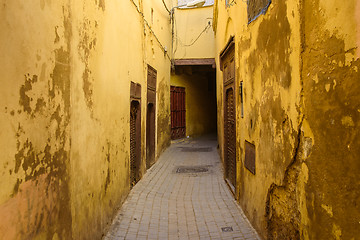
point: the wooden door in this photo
(135, 142)
(228, 63)
(150, 135)
(178, 111)
(150, 116)
(230, 138)
(135, 133)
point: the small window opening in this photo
(256, 7)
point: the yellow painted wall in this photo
(267, 62)
(194, 39)
(299, 66)
(331, 76)
(155, 56)
(199, 102)
(35, 119)
(188, 26)
(65, 103)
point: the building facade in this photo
(193, 71)
(72, 144)
(288, 114)
(92, 92)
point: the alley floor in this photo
(183, 196)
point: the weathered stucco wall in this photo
(158, 55)
(193, 35)
(331, 75)
(267, 55)
(200, 102)
(65, 111)
(35, 120)
(100, 110)
(299, 68)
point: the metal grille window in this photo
(183, 2)
(256, 7)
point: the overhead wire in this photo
(196, 39)
(150, 28)
(205, 29)
(167, 9)
(174, 30)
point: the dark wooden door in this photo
(135, 142)
(150, 135)
(150, 116)
(178, 111)
(229, 116)
(230, 138)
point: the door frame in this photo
(135, 98)
(178, 112)
(227, 53)
(151, 116)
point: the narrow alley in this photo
(107, 109)
(183, 196)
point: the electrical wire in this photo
(205, 29)
(167, 9)
(196, 39)
(176, 40)
(150, 28)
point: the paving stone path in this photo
(183, 196)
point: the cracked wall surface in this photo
(65, 111)
(298, 64)
(267, 62)
(331, 106)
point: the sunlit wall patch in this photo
(256, 7)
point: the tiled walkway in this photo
(184, 205)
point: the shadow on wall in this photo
(199, 83)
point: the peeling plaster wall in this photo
(299, 67)
(65, 111)
(100, 110)
(160, 60)
(331, 76)
(35, 120)
(267, 61)
(113, 48)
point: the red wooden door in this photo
(178, 111)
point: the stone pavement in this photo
(183, 196)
